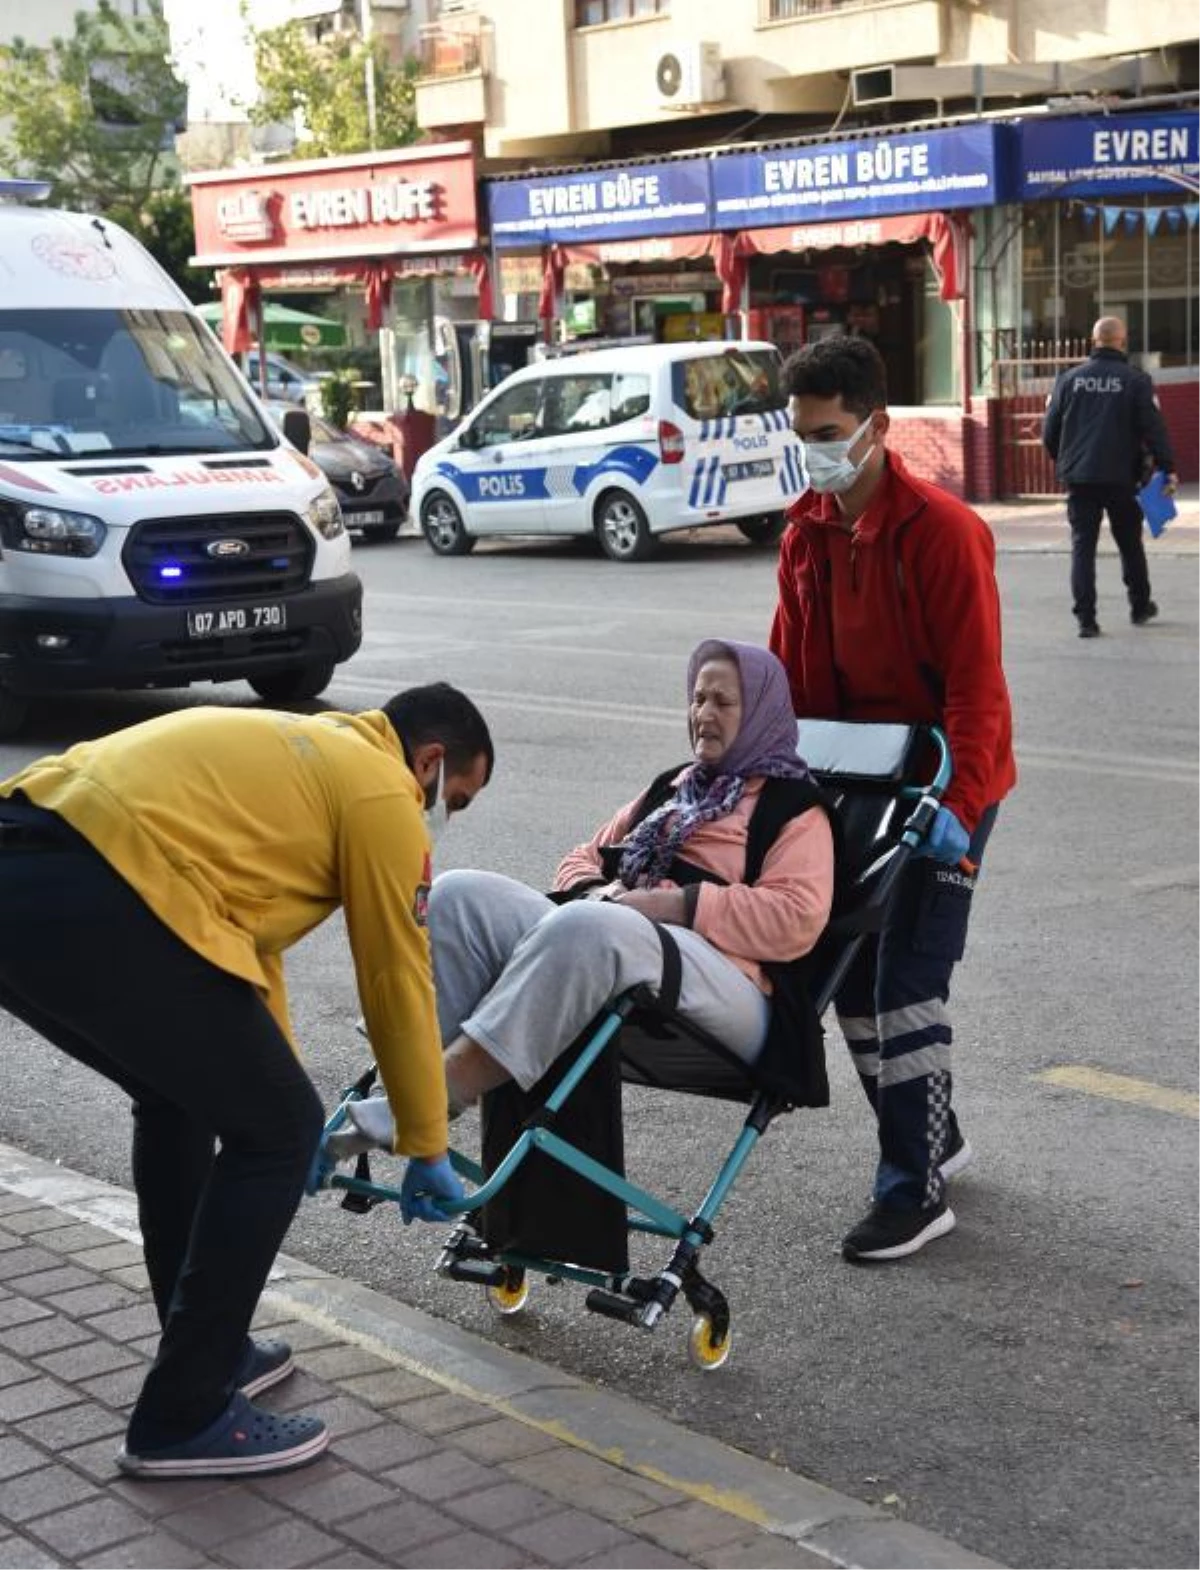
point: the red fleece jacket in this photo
(919, 568)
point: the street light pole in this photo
(364, 27)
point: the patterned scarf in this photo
(765, 745)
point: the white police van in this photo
(627, 443)
(154, 528)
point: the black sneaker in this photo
(884, 1233)
(1148, 612)
(957, 1159)
(1089, 629)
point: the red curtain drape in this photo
(480, 267)
(239, 296)
(554, 265)
(377, 290)
(730, 264)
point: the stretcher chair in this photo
(551, 1197)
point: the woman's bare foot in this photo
(470, 1072)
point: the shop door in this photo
(1024, 469)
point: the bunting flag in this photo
(1130, 219)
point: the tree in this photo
(320, 88)
(94, 113)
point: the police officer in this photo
(1101, 420)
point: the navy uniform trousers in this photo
(892, 1008)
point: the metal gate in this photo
(1024, 469)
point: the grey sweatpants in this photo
(523, 976)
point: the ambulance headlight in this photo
(49, 531)
(325, 515)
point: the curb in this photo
(833, 1527)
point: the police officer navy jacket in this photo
(1101, 420)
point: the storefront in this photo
(399, 228)
(789, 244)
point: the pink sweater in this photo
(779, 918)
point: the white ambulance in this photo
(627, 443)
(154, 528)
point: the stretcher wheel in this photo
(510, 1295)
(704, 1349)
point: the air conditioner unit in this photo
(688, 74)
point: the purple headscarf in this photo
(764, 745)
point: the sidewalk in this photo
(1042, 526)
(446, 1451)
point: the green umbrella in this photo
(286, 328)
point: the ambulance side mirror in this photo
(297, 427)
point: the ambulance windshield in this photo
(119, 384)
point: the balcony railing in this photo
(794, 10)
(449, 51)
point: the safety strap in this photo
(672, 971)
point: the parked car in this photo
(372, 490)
(624, 443)
(285, 381)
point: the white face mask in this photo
(437, 813)
(831, 470)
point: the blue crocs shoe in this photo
(242, 1441)
(266, 1363)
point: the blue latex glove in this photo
(425, 1181)
(947, 840)
(320, 1167)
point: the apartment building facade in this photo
(967, 183)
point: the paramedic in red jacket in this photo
(888, 610)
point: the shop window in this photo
(734, 381)
(591, 13)
(510, 417)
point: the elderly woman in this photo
(519, 974)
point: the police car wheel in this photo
(295, 685)
(14, 711)
(622, 529)
(443, 527)
(765, 530)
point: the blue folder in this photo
(1156, 503)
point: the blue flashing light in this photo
(24, 190)
(170, 572)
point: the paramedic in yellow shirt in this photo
(150, 883)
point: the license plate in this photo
(751, 469)
(236, 619)
(367, 517)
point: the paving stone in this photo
(91, 1358)
(113, 1255)
(99, 1459)
(464, 1551)
(75, 1236)
(43, 1335)
(101, 1297)
(35, 1395)
(136, 1277)
(45, 1283)
(382, 1447)
(691, 1527)
(127, 1324)
(228, 1514)
(37, 1493)
(9, 1240)
(442, 1414)
(12, 1204)
(299, 1393)
(298, 1333)
(339, 1492)
(17, 1310)
(352, 1559)
(609, 1491)
(166, 1494)
(152, 1552)
(568, 1537)
(442, 1475)
(73, 1425)
(80, 1532)
(25, 1219)
(119, 1389)
(764, 1552)
(397, 1529)
(343, 1415)
(17, 1457)
(25, 1261)
(18, 1553)
(508, 1504)
(291, 1543)
(637, 1555)
(389, 1389)
(341, 1362)
(504, 1439)
(13, 1369)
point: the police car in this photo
(627, 443)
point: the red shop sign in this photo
(399, 203)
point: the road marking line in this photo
(1119, 1087)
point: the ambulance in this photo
(155, 527)
(626, 443)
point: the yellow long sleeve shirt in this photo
(243, 830)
